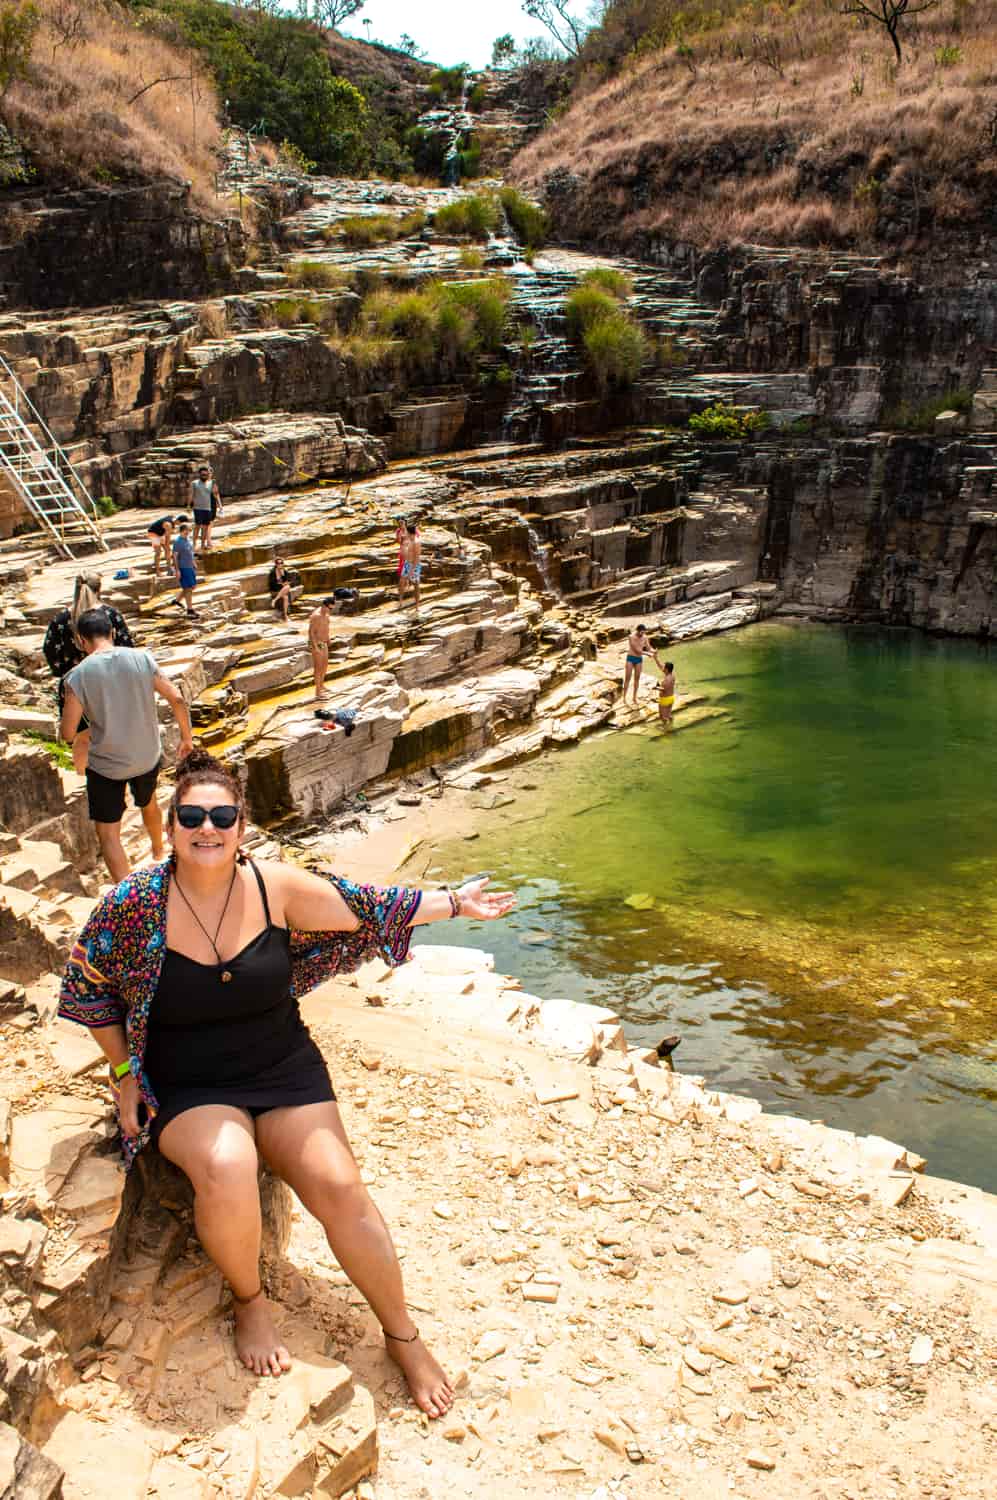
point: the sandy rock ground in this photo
(636, 1298)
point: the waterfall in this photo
(539, 554)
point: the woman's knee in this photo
(227, 1165)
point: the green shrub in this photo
(105, 507)
(469, 157)
(476, 216)
(609, 279)
(947, 57)
(470, 258)
(448, 83)
(721, 420)
(316, 273)
(292, 156)
(476, 97)
(528, 220)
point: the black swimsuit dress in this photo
(240, 1042)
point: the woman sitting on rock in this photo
(189, 975)
(63, 651)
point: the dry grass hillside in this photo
(106, 100)
(778, 123)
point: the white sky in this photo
(450, 31)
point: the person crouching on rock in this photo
(189, 975)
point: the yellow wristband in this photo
(122, 1069)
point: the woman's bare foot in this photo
(430, 1388)
(256, 1339)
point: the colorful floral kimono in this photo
(114, 968)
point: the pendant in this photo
(226, 976)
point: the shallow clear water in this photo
(811, 877)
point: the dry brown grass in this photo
(834, 146)
(78, 114)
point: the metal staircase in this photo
(41, 473)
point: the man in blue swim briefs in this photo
(638, 646)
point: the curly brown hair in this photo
(201, 769)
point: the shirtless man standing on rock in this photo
(412, 564)
(318, 643)
(638, 646)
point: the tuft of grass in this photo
(470, 258)
(614, 344)
(609, 279)
(476, 216)
(316, 273)
(615, 349)
(364, 230)
(367, 351)
(906, 417)
(721, 420)
(292, 312)
(587, 305)
(529, 222)
(61, 754)
(442, 322)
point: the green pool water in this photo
(803, 886)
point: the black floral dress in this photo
(62, 652)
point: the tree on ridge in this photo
(888, 13)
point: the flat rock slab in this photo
(26, 1474)
(46, 1144)
(102, 1458)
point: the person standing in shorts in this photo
(666, 691)
(412, 565)
(186, 570)
(206, 504)
(116, 687)
(160, 534)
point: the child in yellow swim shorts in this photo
(666, 692)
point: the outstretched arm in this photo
(312, 904)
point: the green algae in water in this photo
(805, 888)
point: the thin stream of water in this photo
(805, 888)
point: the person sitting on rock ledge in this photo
(279, 584)
(188, 975)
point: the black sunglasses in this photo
(189, 815)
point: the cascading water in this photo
(539, 556)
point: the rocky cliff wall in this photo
(112, 245)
